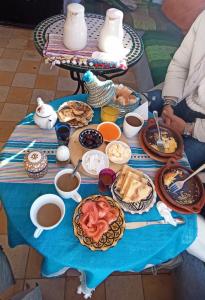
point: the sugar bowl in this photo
(36, 164)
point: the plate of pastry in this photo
(134, 190)
(75, 113)
(98, 222)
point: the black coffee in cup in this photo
(67, 182)
(133, 121)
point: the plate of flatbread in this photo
(76, 113)
(134, 190)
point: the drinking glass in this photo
(106, 178)
(62, 133)
(109, 113)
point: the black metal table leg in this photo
(79, 82)
(109, 77)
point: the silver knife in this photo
(134, 225)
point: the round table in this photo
(94, 22)
(60, 248)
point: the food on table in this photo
(124, 95)
(132, 185)
(96, 216)
(94, 161)
(169, 177)
(62, 153)
(36, 164)
(118, 152)
(91, 138)
(76, 113)
(109, 113)
(170, 144)
(110, 131)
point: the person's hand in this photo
(177, 124)
(167, 111)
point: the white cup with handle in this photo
(132, 124)
(73, 193)
(41, 202)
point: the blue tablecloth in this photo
(59, 247)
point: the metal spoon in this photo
(76, 167)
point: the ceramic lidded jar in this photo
(36, 164)
(111, 35)
(75, 28)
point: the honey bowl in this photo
(110, 131)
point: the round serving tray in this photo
(108, 239)
(77, 151)
(139, 207)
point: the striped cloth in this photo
(56, 51)
(59, 247)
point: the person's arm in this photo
(179, 66)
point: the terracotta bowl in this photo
(148, 138)
(191, 197)
(164, 199)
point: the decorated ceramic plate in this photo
(76, 113)
(98, 222)
(191, 197)
(140, 207)
(172, 140)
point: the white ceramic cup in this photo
(129, 130)
(71, 194)
(38, 203)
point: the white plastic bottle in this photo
(75, 28)
(111, 35)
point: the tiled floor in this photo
(24, 77)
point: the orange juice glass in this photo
(109, 113)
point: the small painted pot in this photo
(36, 164)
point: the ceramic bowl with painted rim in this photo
(118, 152)
(94, 161)
(110, 131)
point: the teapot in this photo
(45, 116)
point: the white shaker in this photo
(75, 28)
(111, 35)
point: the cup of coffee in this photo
(132, 124)
(67, 185)
(47, 212)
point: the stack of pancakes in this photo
(132, 185)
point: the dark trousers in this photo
(190, 279)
